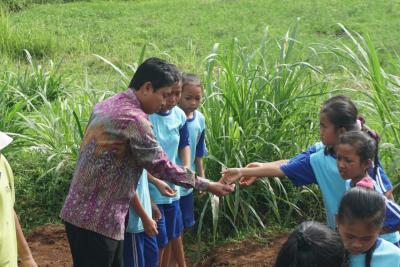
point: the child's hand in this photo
(29, 262)
(247, 181)
(165, 189)
(156, 212)
(150, 226)
(230, 175)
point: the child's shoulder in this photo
(387, 248)
(199, 115)
(178, 112)
(318, 146)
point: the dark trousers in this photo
(92, 249)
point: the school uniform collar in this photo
(164, 113)
(194, 117)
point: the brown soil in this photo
(50, 247)
(249, 252)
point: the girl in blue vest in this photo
(356, 153)
(359, 221)
(192, 93)
(171, 131)
(318, 163)
(140, 244)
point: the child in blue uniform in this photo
(140, 244)
(318, 163)
(355, 154)
(311, 244)
(192, 93)
(359, 220)
(170, 129)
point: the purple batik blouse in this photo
(118, 144)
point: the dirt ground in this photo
(49, 246)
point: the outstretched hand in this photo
(249, 180)
(231, 175)
(220, 189)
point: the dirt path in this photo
(50, 247)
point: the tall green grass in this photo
(380, 89)
(253, 107)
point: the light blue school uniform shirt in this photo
(135, 224)
(385, 255)
(392, 215)
(314, 166)
(196, 127)
(170, 130)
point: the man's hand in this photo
(220, 189)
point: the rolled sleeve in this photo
(299, 169)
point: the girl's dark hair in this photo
(189, 78)
(157, 71)
(342, 113)
(364, 204)
(366, 146)
(311, 244)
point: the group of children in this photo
(160, 211)
(124, 149)
(356, 192)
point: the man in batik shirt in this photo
(118, 144)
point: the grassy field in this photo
(183, 31)
(263, 88)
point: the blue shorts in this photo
(187, 209)
(140, 250)
(170, 226)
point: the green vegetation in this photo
(263, 88)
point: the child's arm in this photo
(253, 171)
(184, 155)
(199, 166)
(155, 210)
(149, 225)
(162, 186)
(24, 252)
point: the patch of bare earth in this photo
(50, 247)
